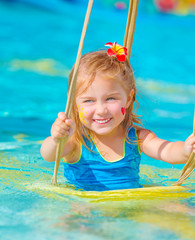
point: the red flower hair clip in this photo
(119, 51)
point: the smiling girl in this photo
(105, 139)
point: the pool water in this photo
(38, 48)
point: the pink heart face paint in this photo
(123, 110)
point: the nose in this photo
(101, 109)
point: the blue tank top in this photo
(93, 173)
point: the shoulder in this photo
(149, 143)
(144, 134)
(72, 152)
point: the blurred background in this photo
(38, 46)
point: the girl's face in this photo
(102, 106)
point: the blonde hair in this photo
(99, 62)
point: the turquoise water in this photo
(37, 50)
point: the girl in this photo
(105, 141)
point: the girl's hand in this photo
(62, 127)
(189, 145)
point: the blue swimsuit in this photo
(93, 173)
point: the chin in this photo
(103, 132)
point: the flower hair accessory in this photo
(117, 50)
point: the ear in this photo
(129, 98)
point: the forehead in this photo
(100, 82)
(106, 81)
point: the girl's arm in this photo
(171, 152)
(61, 128)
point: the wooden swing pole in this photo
(130, 26)
(128, 23)
(71, 92)
(189, 166)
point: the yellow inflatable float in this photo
(61, 191)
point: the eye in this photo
(88, 101)
(110, 99)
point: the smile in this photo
(102, 121)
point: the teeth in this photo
(103, 121)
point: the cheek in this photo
(85, 113)
(117, 109)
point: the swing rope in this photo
(189, 166)
(130, 26)
(62, 142)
